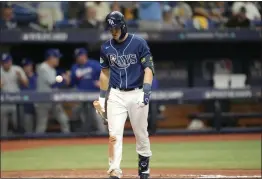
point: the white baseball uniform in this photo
(126, 62)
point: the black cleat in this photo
(143, 167)
(144, 176)
(113, 177)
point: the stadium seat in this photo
(238, 80)
(24, 15)
(221, 81)
(257, 23)
(21, 10)
(189, 24)
(64, 24)
(132, 24)
(212, 24)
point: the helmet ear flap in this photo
(123, 30)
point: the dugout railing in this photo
(158, 97)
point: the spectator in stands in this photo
(7, 20)
(101, 8)
(182, 12)
(85, 77)
(47, 81)
(239, 20)
(150, 15)
(90, 18)
(217, 11)
(116, 7)
(49, 13)
(252, 12)
(76, 10)
(129, 9)
(29, 109)
(12, 77)
(200, 16)
(169, 22)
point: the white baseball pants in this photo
(121, 104)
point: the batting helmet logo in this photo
(110, 21)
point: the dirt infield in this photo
(129, 173)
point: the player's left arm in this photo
(149, 70)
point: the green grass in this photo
(202, 155)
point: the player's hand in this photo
(143, 100)
(100, 110)
(102, 103)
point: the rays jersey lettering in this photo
(123, 61)
(126, 61)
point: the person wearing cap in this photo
(29, 109)
(12, 76)
(84, 77)
(47, 81)
(7, 20)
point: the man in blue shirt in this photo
(29, 109)
(84, 77)
(85, 72)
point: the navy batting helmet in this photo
(116, 19)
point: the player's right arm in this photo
(104, 74)
(104, 78)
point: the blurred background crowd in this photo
(46, 77)
(143, 15)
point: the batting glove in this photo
(145, 96)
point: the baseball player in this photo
(47, 81)
(29, 109)
(12, 77)
(85, 77)
(127, 73)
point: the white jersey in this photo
(10, 79)
(46, 77)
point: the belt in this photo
(127, 89)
